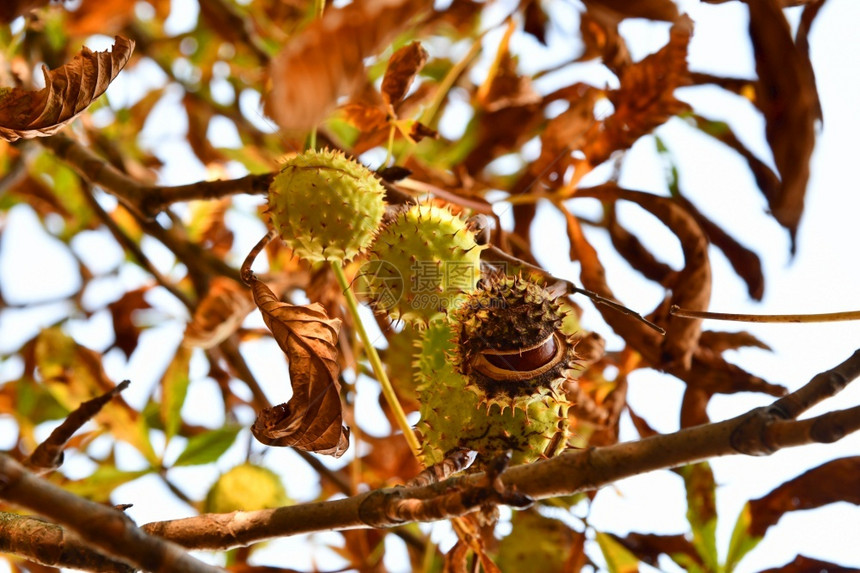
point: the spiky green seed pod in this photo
(453, 418)
(513, 343)
(424, 261)
(246, 487)
(325, 206)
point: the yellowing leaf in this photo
(174, 388)
(326, 60)
(207, 447)
(74, 374)
(618, 558)
(312, 419)
(68, 91)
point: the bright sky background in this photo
(822, 277)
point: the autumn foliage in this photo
(437, 100)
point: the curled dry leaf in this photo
(665, 10)
(648, 547)
(646, 97)
(402, 68)
(691, 287)
(602, 40)
(786, 95)
(11, 9)
(126, 330)
(635, 252)
(707, 371)
(326, 60)
(219, 314)
(803, 564)
(68, 91)
(312, 420)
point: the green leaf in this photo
(618, 558)
(702, 510)
(174, 388)
(742, 541)
(207, 447)
(99, 486)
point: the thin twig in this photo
(48, 456)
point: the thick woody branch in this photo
(756, 432)
(148, 200)
(48, 544)
(101, 527)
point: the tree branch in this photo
(51, 545)
(102, 527)
(757, 432)
(148, 200)
(48, 455)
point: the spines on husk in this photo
(453, 418)
(423, 263)
(325, 206)
(512, 344)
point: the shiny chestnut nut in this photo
(511, 344)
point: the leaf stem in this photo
(778, 318)
(376, 363)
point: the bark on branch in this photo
(48, 544)
(103, 528)
(759, 432)
(148, 200)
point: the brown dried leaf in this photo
(126, 332)
(565, 133)
(664, 10)
(390, 462)
(99, 17)
(11, 9)
(312, 419)
(68, 91)
(504, 87)
(786, 95)
(602, 40)
(219, 314)
(367, 118)
(691, 287)
(535, 20)
(834, 481)
(326, 60)
(634, 252)
(719, 342)
(802, 564)
(646, 97)
(745, 262)
(708, 371)
(694, 407)
(648, 546)
(402, 68)
(199, 117)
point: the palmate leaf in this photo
(313, 418)
(68, 91)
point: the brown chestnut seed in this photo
(523, 363)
